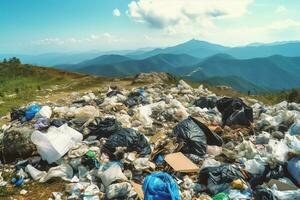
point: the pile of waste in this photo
(157, 142)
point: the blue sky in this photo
(41, 26)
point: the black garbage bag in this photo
(16, 144)
(196, 136)
(234, 112)
(99, 101)
(113, 93)
(261, 193)
(58, 122)
(104, 128)
(17, 114)
(218, 179)
(206, 102)
(135, 98)
(275, 173)
(129, 138)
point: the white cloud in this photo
(100, 38)
(47, 41)
(116, 12)
(178, 13)
(244, 35)
(284, 24)
(281, 9)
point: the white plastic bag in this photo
(210, 162)
(34, 173)
(278, 150)
(45, 112)
(56, 142)
(246, 150)
(63, 171)
(143, 115)
(292, 142)
(254, 166)
(112, 174)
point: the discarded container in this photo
(17, 181)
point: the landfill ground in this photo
(149, 138)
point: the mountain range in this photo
(256, 67)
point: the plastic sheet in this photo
(160, 186)
(56, 142)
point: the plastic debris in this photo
(160, 141)
(160, 186)
(31, 111)
(53, 145)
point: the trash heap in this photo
(156, 142)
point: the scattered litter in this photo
(156, 142)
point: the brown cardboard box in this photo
(181, 163)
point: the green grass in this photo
(21, 84)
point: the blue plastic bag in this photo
(294, 168)
(295, 128)
(160, 186)
(31, 111)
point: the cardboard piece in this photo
(181, 163)
(280, 185)
(138, 189)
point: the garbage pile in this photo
(157, 142)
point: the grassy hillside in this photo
(20, 84)
(236, 83)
